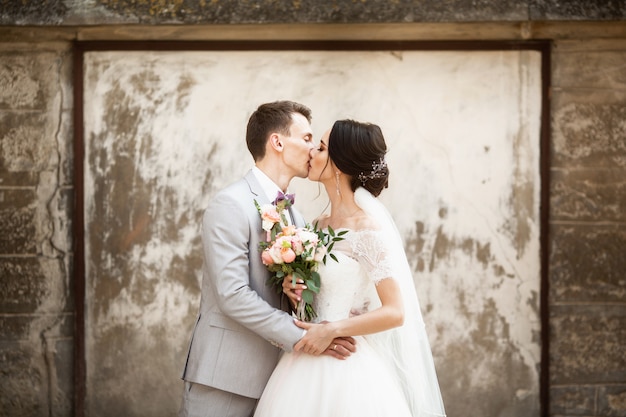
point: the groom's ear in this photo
(276, 142)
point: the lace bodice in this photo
(349, 284)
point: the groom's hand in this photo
(341, 348)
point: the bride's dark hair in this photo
(358, 149)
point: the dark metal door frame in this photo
(81, 47)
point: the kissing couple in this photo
(366, 353)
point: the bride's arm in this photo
(389, 315)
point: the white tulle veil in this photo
(406, 348)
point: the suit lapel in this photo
(255, 188)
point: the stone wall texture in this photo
(36, 199)
(587, 220)
(59, 12)
(587, 233)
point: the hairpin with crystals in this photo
(378, 171)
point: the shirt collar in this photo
(269, 187)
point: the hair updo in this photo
(358, 150)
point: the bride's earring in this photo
(337, 182)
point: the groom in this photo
(242, 322)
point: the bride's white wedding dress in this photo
(362, 385)
(391, 373)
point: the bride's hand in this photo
(317, 339)
(294, 293)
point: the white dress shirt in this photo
(270, 188)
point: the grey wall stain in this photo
(185, 87)
(443, 249)
(111, 190)
(140, 217)
(487, 347)
(503, 380)
(522, 204)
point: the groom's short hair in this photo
(270, 118)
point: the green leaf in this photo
(307, 296)
(312, 286)
(315, 276)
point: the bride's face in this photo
(321, 166)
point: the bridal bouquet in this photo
(294, 251)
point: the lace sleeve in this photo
(370, 250)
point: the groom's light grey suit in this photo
(240, 326)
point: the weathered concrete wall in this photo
(588, 229)
(59, 12)
(36, 297)
(587, 235)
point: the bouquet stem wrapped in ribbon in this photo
(294, 251)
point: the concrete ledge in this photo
(321, 31)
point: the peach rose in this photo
(266, 257)
(288, 255)
(269, 216)
(289, 230)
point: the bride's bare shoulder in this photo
(365, 222)
(321, 222)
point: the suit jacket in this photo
(240, 326)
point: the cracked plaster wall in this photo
(165, 130)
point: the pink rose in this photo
(266, 257)
(296, 244)
(275, 253)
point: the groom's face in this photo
(297, 146)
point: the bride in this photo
(367, 293)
